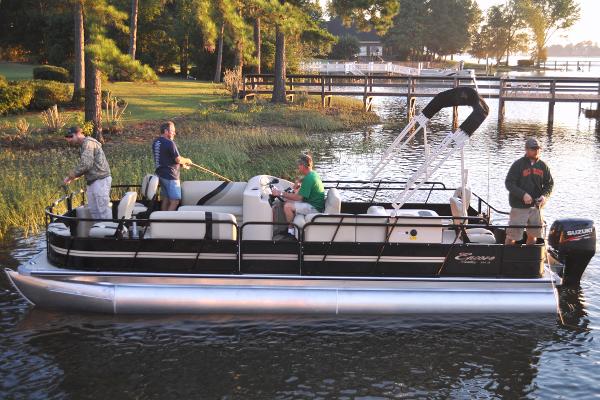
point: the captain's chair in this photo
(148, 191)
(333, 205)
(475, 235)
(125, 210)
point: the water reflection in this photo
(280, 357)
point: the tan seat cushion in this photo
(329, 233)
(191, 230)
(231, 195)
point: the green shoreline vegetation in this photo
(238, 140)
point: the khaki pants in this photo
(527, 217)
(98, 198)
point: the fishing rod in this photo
(210, 172)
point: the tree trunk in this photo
(184, 62)
(93, 97)
(79, 65)
(257, 44)
(239, 53)
(133, 28)
(279, 81)
(217, 77)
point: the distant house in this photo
(371, 45)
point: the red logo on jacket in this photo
(536, 171)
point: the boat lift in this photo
(437, 155)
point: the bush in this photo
(525, 63)
(3, 81)
(46, 94)
(15, 98)
(51, 73)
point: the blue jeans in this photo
(170, 189)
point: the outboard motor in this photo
(572, 242)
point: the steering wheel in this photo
(272, 198)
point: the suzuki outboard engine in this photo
(572, 242)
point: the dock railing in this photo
(533, 89)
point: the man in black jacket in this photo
(529, 183)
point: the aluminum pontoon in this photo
(221, 252)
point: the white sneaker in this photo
(292, 231)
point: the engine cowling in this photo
(572, 242)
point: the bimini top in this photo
(460, 96)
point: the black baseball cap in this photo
(72, 131)
(532, 143)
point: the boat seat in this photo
(192, 230)
(475, 235)
(237, 211)
(148, 191)
(377, 234)
(59, 228)
(232, 194)
(330, 233)
(83, 227)
(124, 212)
(333, 205)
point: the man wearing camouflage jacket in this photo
(94, 167)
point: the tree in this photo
(227, 13)
(288, 19)
(346, 48)
(133, 22)
(449, 25)
(503, 32)
(406, 38)
(366, 14)
(546, 17)
(79, 62)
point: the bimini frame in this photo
(453, 141)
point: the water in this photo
(56, 355)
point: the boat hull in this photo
(131, 293)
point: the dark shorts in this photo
(170, 189)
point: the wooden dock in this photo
(551, 90)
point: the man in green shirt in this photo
(309, 198)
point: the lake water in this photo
(55, 355)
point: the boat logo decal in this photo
(469, 258)
(580, 231)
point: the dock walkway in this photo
(551, 90)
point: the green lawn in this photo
(168, 98)
(16, 71)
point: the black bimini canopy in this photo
(460, 96)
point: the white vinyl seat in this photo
(475, 235)
(237, 211)
(59, 228)
(368, 233)
(202, 229)
(148, 191)
(83, 227)
(213, 196)
(125, 210)
(340, 228)
(333, 205)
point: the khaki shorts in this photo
(304, 208)
(525, 216)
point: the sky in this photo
(587, 28)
